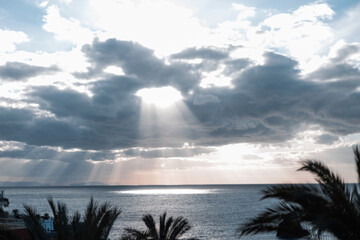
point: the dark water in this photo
(215, 212)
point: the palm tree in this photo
(169, 229)
(98, 221)
(329, 206)
(32, 222)
(96, 225)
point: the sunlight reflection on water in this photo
(165, 191)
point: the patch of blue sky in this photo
(27, 17)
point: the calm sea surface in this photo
(215, 212)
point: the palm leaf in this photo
(151, 226)
(329, 206)
(357, 161)
(169, 229)
(32, 222)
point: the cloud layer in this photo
(254, 80)
(269, 102)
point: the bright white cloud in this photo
(9, 39)
(160, 25)
(313, 12)
(215, 79)
(65, 1)
(244, 11)
(301, 33)
(66, 29)
(67, 61)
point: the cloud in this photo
(203, 53)
(267, 103)
(138, 61)
(17, 71)
(31, 152)
(301, 34)
(327, 139)
(271, 102)
(160, 25)
(340, 65)
(66, 29)
(168, 152)
(9, 39)
(93, 123)
(200, 99)
(345, 51)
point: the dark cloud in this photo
(235, 66)
(17, 71)
(139, 62)
(327, 139)
(336, 71)
(346, 51)
(272, 102)
(267, 103)
(203, 99)
(203, 53)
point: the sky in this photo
(136, 92)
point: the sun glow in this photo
(160, 97)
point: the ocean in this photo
(214, 211)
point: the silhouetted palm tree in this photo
(96, 225)
(329, 206)
(169, 229)
(32, 222)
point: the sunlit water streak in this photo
(215, 212)
(165, 191)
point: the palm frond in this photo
(269, 220)
(168, 225)
(180, 227)
(328, 206)
(106, 216)
(162, 226)
(61, 220)
(323, 174)
(134, 234)
(357, 161)
(169, 229)
(32, 222)
(151, 226)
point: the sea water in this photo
(214, 211)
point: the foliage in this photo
(329, 206)
(96, 225)
(16, 213)
(32, 222)
(169, 229)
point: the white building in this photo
(47, 224)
